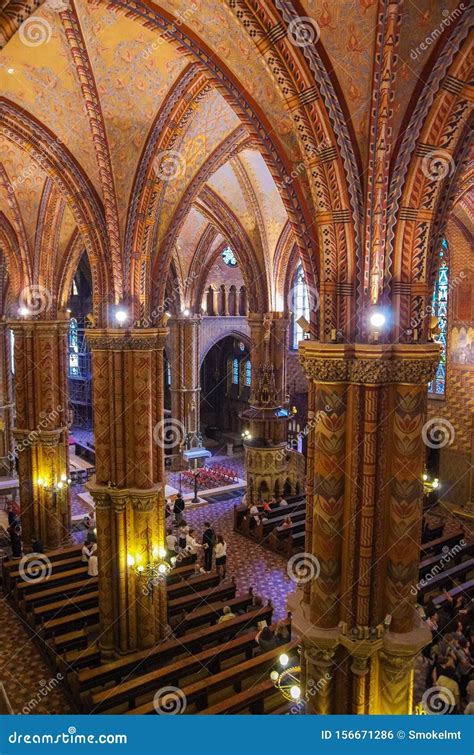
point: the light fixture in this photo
(121, 315)
(274, 676)
(295, 692)
(40, 482)
(283, 659)
(246, 435)
(435, 483)
(130, 560)
(10, 70)
(54, 485)
(23, 311)
(377, 319)
(185, 312)
(425, 476)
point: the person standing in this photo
(221, 556)
(93, 565)
(178, 509)
(208, 542)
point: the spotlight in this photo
(121, 315)
(377, 319)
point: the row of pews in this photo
(266, 533)
(447, 564)
(217, 667)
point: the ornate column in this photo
(41, 432)
(7, 466)
(184, 358)
(266, 450)
(128, 488)
(368, 408)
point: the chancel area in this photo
(236, 357)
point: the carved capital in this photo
(369, 363)
(116, 339)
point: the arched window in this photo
(73, 348)
(440, 310)
(300, 305)
(248, 372)
(235, 371)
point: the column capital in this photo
(369, 363)
(45, 327)
(121, 339)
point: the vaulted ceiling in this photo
(180, 126)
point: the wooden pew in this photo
(459, 571)
(204, 663)
(185, 603)
(436, 546)
(152, 658)
(264, 529)
(63, 608)
(209, 614)
(198, 693)
(294, 504)
(256, 700)
(466, 588)
(11, 571)
(193, 584)
(451, 558)
(61, 578)
(55, 593)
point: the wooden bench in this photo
(11, 570)
(466, 588)
(254, 700)
(206, 662)
(198, 692)
(61, 578)
(459, 571)
(63, 608)
(294, 503)
(264, 529)
(208, 614)
(452, 558)
(436, 546)
(432, 533)
(220, 591)
(152, 658)
(193, 584)
(55, 593)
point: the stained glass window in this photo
(248, 372)
(229, 257)
(73, 348)
(440, 310)
(235, 371)
(300, 305)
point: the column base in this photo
(363, 671)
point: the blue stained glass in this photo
(440, 310)
(235, 371)
(73, 348)
(229, 257)
(248, 372)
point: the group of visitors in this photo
(184, 539)
(258, 510)
(450, 655)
